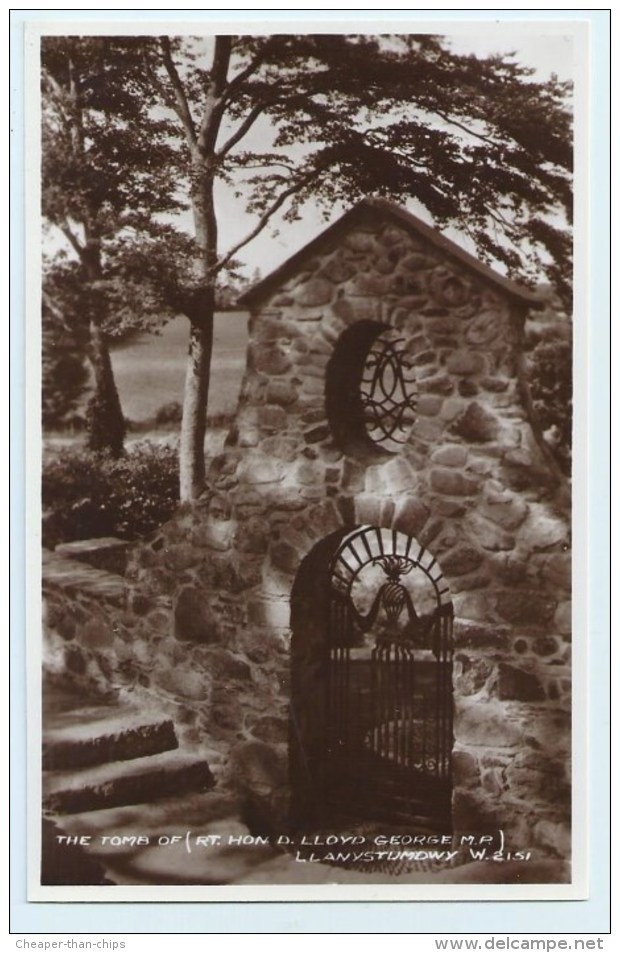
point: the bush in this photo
(550, 374)
(171, 413)
(89, 494)
(548, 350)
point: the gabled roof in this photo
(412, 223)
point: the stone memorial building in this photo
(367, 613)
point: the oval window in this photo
(371, 392)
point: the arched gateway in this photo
(371, 723)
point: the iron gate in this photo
(389, 682)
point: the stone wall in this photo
(472, 485)
(110, 641)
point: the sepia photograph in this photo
(303, 303)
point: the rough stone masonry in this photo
(207, 624)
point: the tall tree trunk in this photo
(198, 374)
(201, 141)
(194, 423)
(106, 424)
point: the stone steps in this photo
(199, 812)
(94, 735)
(228, 861)
(159, 842)
(80, 579)
(124, 782)
(105, 552)
(212, 865)
(115, 781)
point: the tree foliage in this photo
(549, 351)
(105, 184)
(283, 120)
(478, 142)
(63, 372)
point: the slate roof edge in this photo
(280, 274)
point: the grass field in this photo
(150, 368)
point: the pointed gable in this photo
(366, 211)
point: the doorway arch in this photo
(371, 706)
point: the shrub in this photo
(89, 494)
(548, 351)
(171, 413)
(144, 489)
(550, 374)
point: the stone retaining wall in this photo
(109, 642)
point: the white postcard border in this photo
(583, 294)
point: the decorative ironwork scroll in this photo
(388, 392)
(370, 391)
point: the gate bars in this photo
(389, 705)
